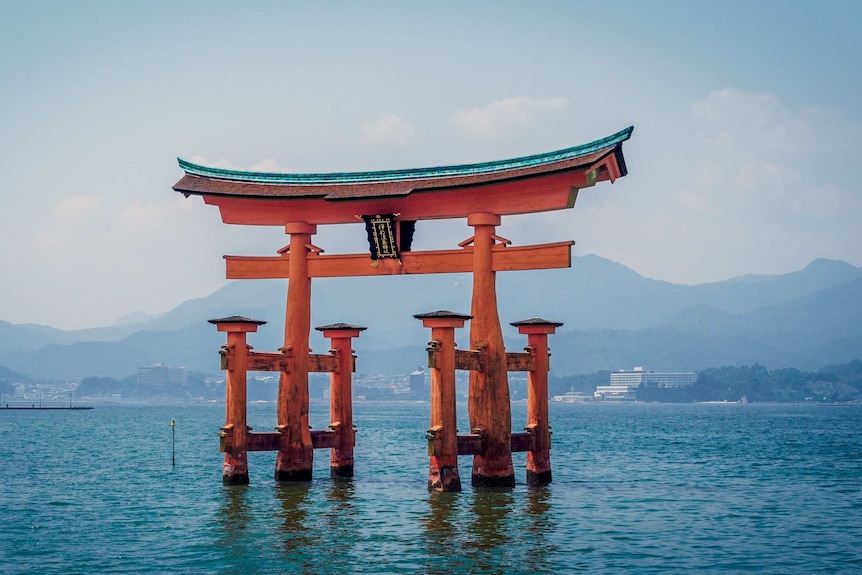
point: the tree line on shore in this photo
(755, 383)
(831, 384)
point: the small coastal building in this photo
(572, 397)
(419, 388)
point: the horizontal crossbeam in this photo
(271, 440)
(474, 360)
(471, 443)
(503, 258)
(265, 361)
(519, 361)
(469, 360)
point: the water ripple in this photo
(638, 488)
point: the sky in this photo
(744, 158)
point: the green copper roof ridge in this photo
(193, 169)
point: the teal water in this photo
(639, 488)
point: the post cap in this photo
(443, 314)
(338, 326)
(236, 319)
(236, 323)
(536, 321)
(536, 325)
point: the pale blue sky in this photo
(744, 157)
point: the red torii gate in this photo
(482, 193)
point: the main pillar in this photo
(296, 454)
(538, 458)
(488, 402)
(341, 396)
(443, 436)
(235, 430)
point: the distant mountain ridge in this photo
(614, 318)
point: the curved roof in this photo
(482, 168)
(532, 183)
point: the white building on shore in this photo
(160, 375)
(624, 384)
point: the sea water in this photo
(638, 488)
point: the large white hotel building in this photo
(624, 384)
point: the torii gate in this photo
(392, 202)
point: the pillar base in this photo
(493, 481)
(235, 479)
(538, 477)
(447, 480)
(295, 463)
(293, 475)
(341, 471)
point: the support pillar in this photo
(235, 430)
(488, 403)
(443, 436)
(538, 458)
(341, 397)
(296, 455)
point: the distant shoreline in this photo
(38, 407)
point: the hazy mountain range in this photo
(614, 319)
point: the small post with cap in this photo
(538, 458)
(443, 436)
(235, 362)
(340, 396)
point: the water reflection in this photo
(490, 526)
(469, 532)
(234, 509)
(235, 535)
(298, 536)
(491, 531)
(318, 528)
(539, 522)
(341, 521)
(442, 534)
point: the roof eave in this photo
(351, 178)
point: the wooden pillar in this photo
(296, 455)
(341, 397)
(488, 403)
(235, 430)
(538, 458)
(443, 436)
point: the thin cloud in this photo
(748, 189)
(220, 163)
(386, 130)
(267, 165)
(735, 119)
(135, 218)
(76, 210)
(759, 167)
(499, 117)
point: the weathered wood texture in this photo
(472, 444)
(271, 440)
(488, 400)
(235, 470)
(341, 405)
(539, 457)
(519, 361)
(443, 474)
(294, 461)
(283, 362)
